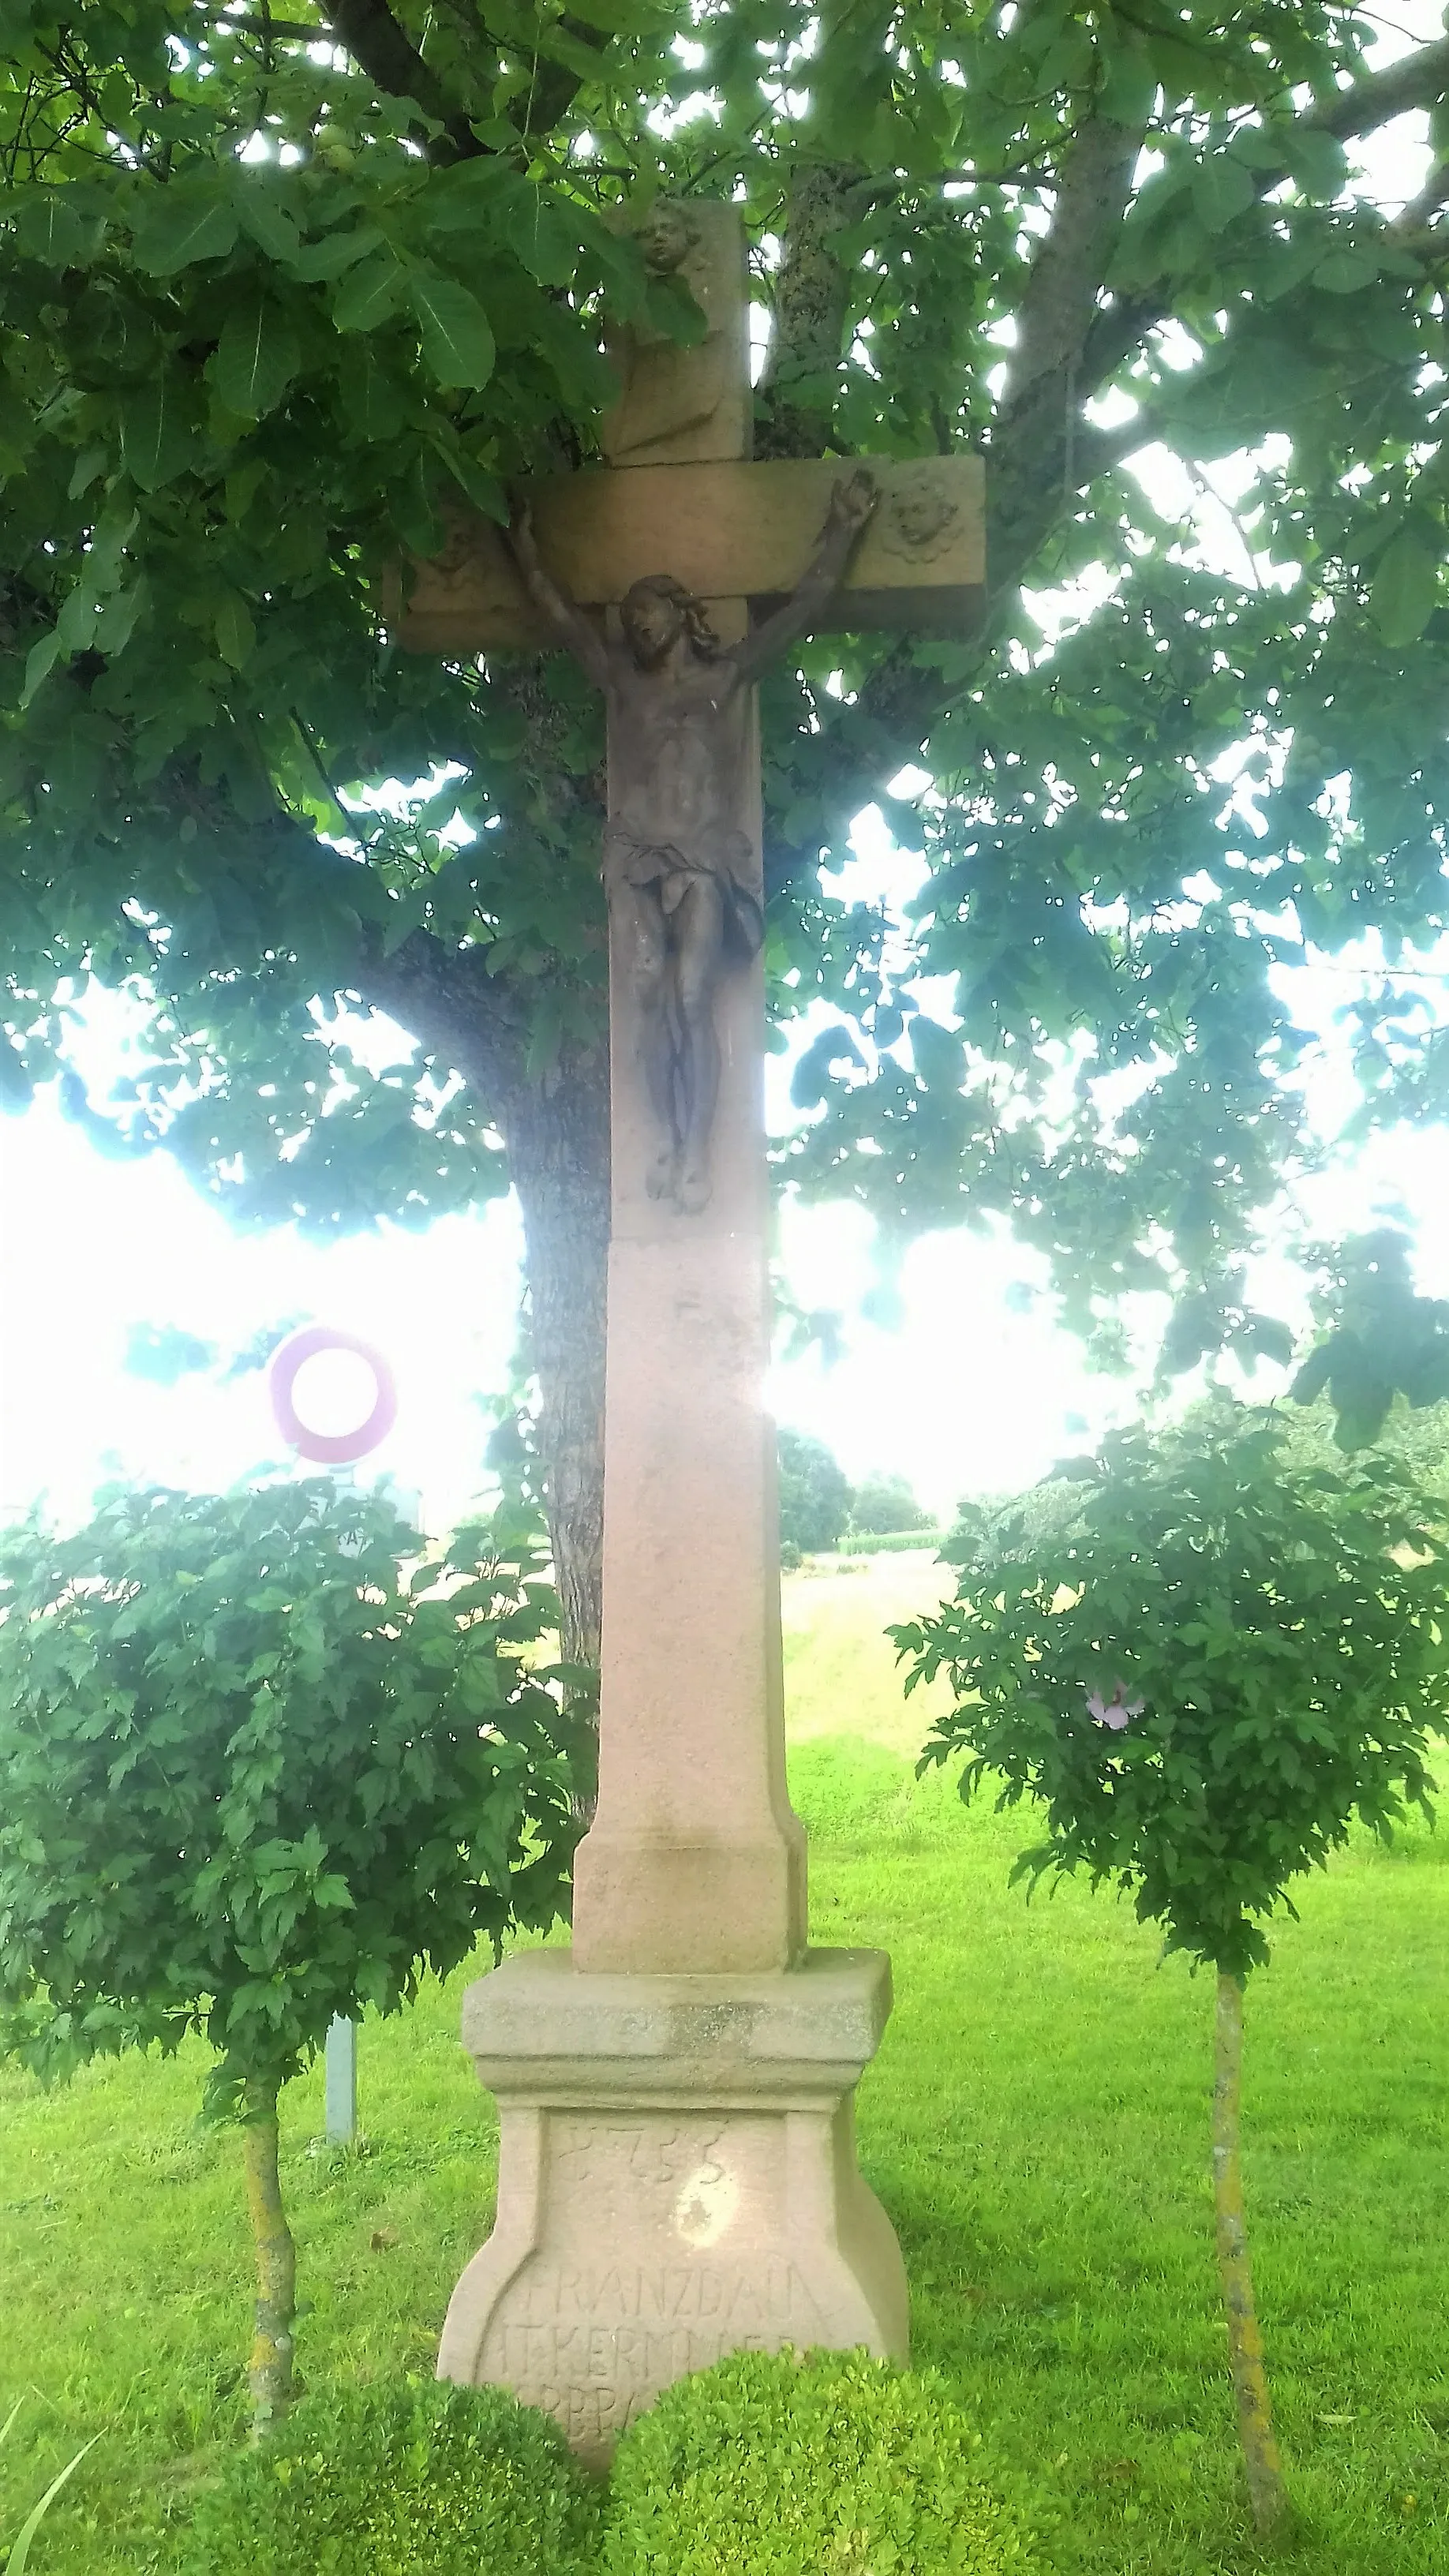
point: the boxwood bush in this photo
(405, 2478)
(833, 2464)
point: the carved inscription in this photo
(663, 2254)
(595, 2344)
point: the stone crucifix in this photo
(680, 874)
(677, 2174)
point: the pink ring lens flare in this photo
(329, 1448)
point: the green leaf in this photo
(374, 401)
(325, 259)
(188, 220)
(265, 221)
(483, 488)
(75, 625)
(1221, 188)
(256, 357)
(457, 337)
(91, 462)
(1346, 272)
(1129, 83)
(538, 235)
(372, 293)
(49, 227)
(1313, 1376)
(1405, 588)
(235, 633)
(157, 440)
(940, 1055)
(39, 662)
(119, 615)
(1318, 161)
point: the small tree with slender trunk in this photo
(258, 1773)
(1223, 1661)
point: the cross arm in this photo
(728, 530)
(812, 600)
(563, 613)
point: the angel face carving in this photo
(666, 237)
(674, 403)
(919, 521)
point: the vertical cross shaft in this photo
(695, 1860)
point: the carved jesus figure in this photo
(678, 869)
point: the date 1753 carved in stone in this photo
(677, 2171)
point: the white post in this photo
(340, 2063)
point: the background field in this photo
(1035, 2124)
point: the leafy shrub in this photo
(263, 1767)
(834, 2465)
(1201, 1669)
(1203, 1673)
(405, 2478)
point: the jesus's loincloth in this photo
(722, 859)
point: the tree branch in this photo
(1413, 227)
(1417, 81)
(812, 298)
(1059, 303)
(271, 30)
(1040, 449)
(555, 86)
(444, 996)
(371, 34)
(446, 999)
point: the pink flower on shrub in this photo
(1116, 1712)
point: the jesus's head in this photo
(656, 613)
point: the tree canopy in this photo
(884, 1503)
(282, 293)
(815, 1492)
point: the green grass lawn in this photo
(1036, 2124)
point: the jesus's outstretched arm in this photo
(851, 505)
(564, 615)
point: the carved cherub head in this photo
(919, 520)
(655, 612)
(666, 237)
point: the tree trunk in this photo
(557, 1134)
(555, 1127)
(1245, 2343)
(269, 2372)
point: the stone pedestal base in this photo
(676, 2180)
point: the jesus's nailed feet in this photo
(660, 1181)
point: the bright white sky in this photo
(976, 1391)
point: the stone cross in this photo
(677, 2173)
